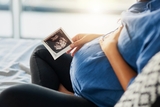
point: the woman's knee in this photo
(10, 97)
(39, 53)
(13, 91)
(39, 50)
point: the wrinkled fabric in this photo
(14, 61)
(140, 37)
(91, 73)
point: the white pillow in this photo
(145, 88)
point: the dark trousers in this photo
(47, 74)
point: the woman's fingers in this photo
(110, 40)
(117, 32)
(69, 51)
(114, 35)
(74, 51)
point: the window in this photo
(5, 19)
(42, 17)
(39, 18)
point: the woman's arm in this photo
(123, 71)
(79, 40)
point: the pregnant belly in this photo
(91, 70)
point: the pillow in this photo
(146, 87)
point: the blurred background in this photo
(36, 19)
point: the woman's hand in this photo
(121, 68)
(79, 40)
(109, 42)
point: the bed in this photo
(14, 61)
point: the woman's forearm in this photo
(123, 71)
(93, 36)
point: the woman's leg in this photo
(30, 95)
(50, 73)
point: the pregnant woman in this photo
(98, 68)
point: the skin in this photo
(123, 71)
(64, 90)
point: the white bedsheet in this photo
(14, 61)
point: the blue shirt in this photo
(91, 73)
(140, 37)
